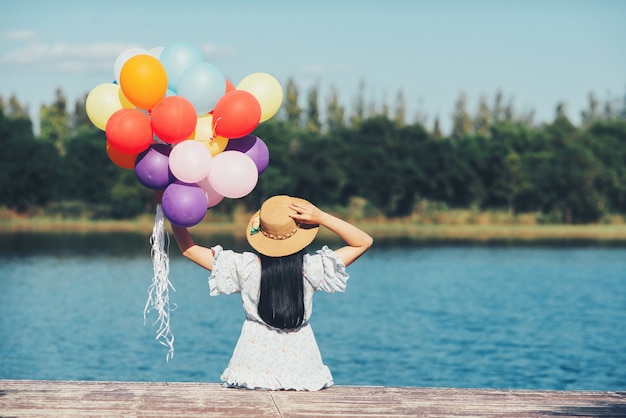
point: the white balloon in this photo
(233, 174)
(123, 57)
(156, 51)
(190, 161)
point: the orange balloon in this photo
(119, 158)
(143, 81)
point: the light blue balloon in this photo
(177, 58)
(203, 84)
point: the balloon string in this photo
(215, 122)
(158, 292)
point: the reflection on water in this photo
(119, 244)
(501, 316)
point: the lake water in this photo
(519, 317)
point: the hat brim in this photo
(305, 235)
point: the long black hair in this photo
(281, 300)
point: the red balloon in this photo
(129, 131)
(229, 86)
(236, 114)
(174, 119)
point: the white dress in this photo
(265, 357)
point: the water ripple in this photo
(528, 318)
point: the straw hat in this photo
(272, 232)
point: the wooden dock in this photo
(27, 398)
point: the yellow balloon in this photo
(266, 89)
(204, 127)
(215, 145)
(204, 134)
(104, 100)
(143, 80)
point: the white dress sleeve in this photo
(325, 271)
(230, 271)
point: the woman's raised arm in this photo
(200, 255)
(358, 240)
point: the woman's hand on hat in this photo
(358, 240)
(306, 213)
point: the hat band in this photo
(280, 237)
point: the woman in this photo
(277, 349)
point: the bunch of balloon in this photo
(176, 120)
(185, 130)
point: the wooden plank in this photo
(129, 399)
(23, 398)
(351, 401)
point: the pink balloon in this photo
(190, 161)
(233, 174)
(213, 198)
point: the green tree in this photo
(79, 121)
(126, 197)
(55, 123)
(482, 121)
(461, 121)
(88, 173)
(359, 106)
(563, 173)
(335, 112)
(446, 175)
(509, 111)
(560, 111)
(291, 106)
(498, 108)
(400, 115)
(507, 180)
(384, 111)
(29, 174)
(576, 172)
(313, 123)
(16, 110)
(606, 140)
(380, 162)
(318, 172)
(591, 114)
(437, 129)
(284, 143)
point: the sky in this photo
(537, 53)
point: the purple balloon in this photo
(184, 204)
(253, 147)
(152, 167)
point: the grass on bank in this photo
(464, 225)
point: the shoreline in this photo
(392, 230)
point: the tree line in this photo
(493, 159)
